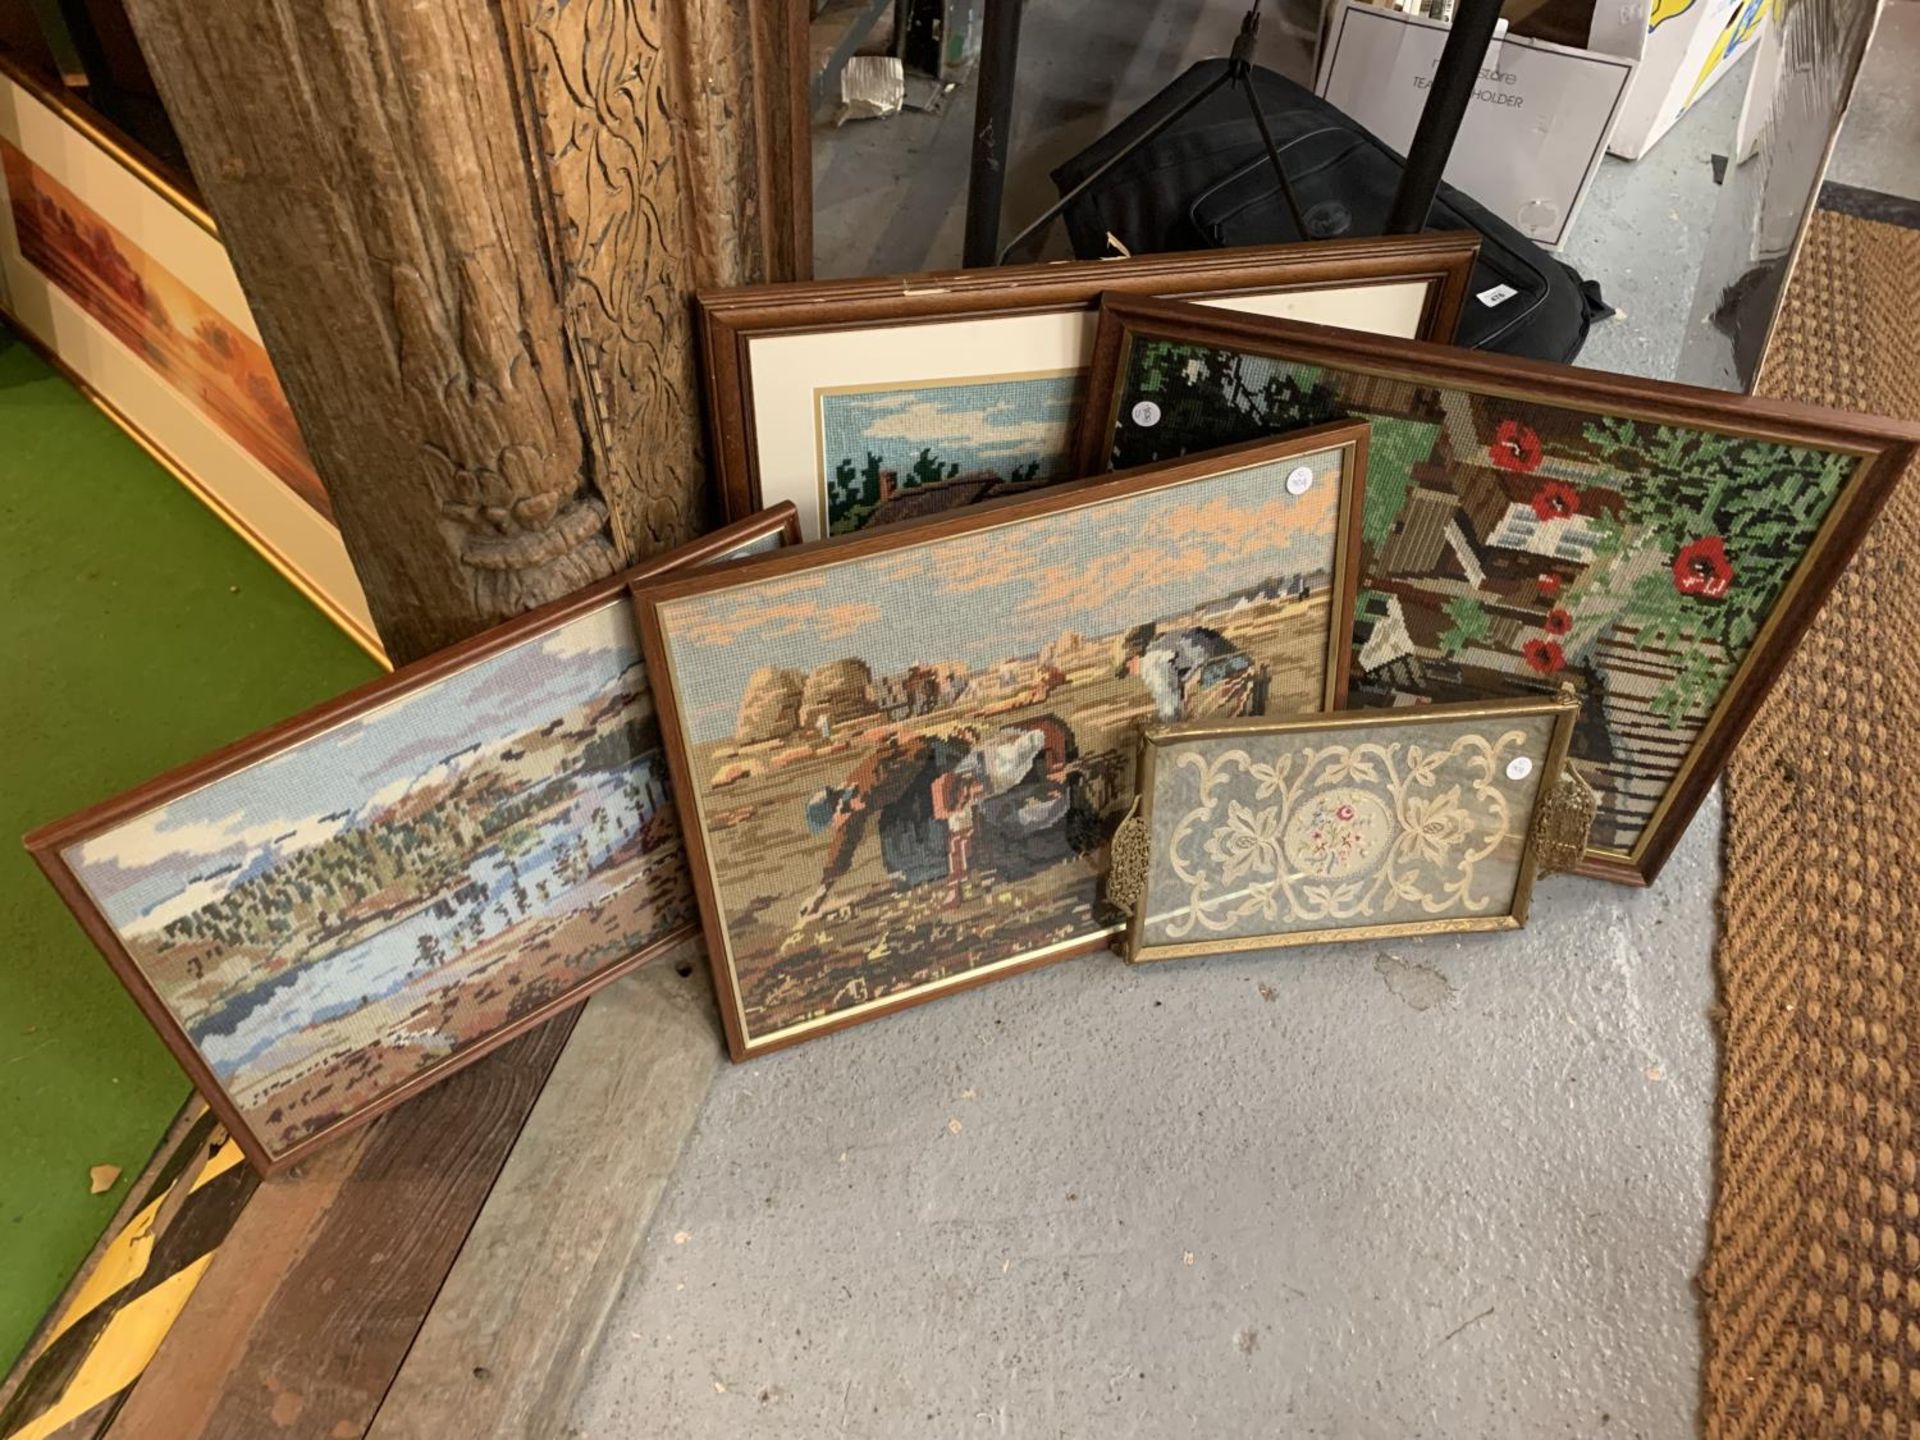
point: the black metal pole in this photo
(992, 124)
(1447, 101)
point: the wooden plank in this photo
(781, 32)
(305, 1315)
(507, 1344)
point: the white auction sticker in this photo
(1300, 480)
(1146, 413)
(1498, 295)
(1519, 767)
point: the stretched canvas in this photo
(905, 751)
(1258, 833)
(1529, 525)
(876, 401)
(350, 906)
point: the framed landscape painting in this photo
(876, 401)
(118, 277)
(904, 751)
(1255, 834)
(326, 917)
(1660, 548)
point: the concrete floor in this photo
(1451, 1187)
(1440, 1188)
(1879, 145)
(1642, 233)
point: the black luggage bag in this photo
(1208, 182)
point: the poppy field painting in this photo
(1511, 544)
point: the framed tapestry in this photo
(329, 916)
(867, 402)
(1254, 834)
(904, 750)
(117, 276)
(1662, 548)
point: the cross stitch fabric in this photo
(906, 763)
(1509, 546)
(1262, 835)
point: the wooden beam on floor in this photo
(455, 1262)
(507, 1343)
(306, 1313)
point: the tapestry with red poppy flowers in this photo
(1513, 545)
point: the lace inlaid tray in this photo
(1255, 833)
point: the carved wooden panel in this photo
(647, 128)
(470, 238)
(365, 163)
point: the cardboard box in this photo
(1681, 46)
(1534, 134)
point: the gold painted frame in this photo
(697, 798)
(1158, 742)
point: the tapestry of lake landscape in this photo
(1511, 546)
(909, 763)
(906, 452)
(329, 922)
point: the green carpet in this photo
(140, 632)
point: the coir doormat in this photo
(1812, 1282)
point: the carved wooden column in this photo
(468, 232)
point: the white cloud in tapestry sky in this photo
(993, 424)
(1095, 570)
(295, 800)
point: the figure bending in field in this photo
(892, 791)
(945, 806)
(1165, 661)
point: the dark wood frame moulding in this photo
(171, 183)
(49, 841)
(1348, 435)
(1884, 447)
(1564, 710)
(729, 320)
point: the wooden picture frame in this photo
(116, 276)
(1397, 830)
(58, 850)
(1624, 453)
(836, 693)
(1042, 314)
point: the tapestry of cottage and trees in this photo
(1510, 546)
